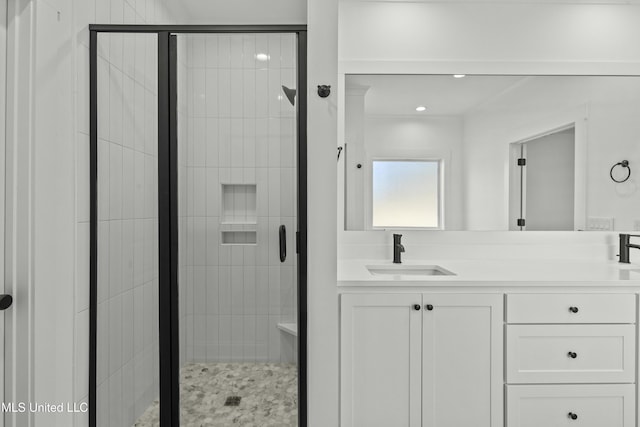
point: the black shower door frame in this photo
(168, 207)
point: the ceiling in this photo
(443, 95)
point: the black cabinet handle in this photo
(573, 309)
(572, 355)
(429, 307)
(5, 301)
(283, 243)
(416, 307)
(573, 416)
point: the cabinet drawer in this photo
(570, 354)
(571, 308)
(558, 405)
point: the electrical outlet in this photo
(600, 224)
(636, 225)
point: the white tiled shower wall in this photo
(127, 265)
(240, 129)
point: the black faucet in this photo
(397, 249)
(625, 245)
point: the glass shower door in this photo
(237, 189)
(126, 291)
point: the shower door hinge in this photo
(521, 222)
(297, 242)
(522, 162)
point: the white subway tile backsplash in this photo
(211, 48)
(236, 93)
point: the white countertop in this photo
(495, 272)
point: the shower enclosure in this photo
(198, 225)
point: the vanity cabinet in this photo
(421, 360)
(571, 360)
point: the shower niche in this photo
(239, 215)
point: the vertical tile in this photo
(103, 261)
(274, 143)
(249, 144)
(224, 338)
(102, 410)
(237, 337)
(199, 93)
(286, 192)
(262, 143)
(211, 85)
(138, 252)
(128, 183)
(82, 267)
(262, 338)
(274, 290)
(104, 80)
(128, 111)
(213, 243)
(237, 146)
(287, 142)
(249, 51)
(249, 334)
(287, 47)
(224, 290)
(139, 116)
(249, 289)
(81, 355)
(274, 41)
(274, 192)
(115, 399)
(199, 290)
(236, 51)
(212, 290)
(128, 234)
(262, 290)
(115, 334)
(115, 104)
(213, 192)
(115, 258)
(224, 93)
(127, 326)
(224, 51)
(237, 93)
(237, 291)
(249, 93)
(262, 248)
(199, 143)
(224, 144)
(199, 192)
(117, 11)
(115, 181)
(212, 147)
(262, 93)
(82, 181)
(274, 339)
(212, 338)
(138, 185)
(198, 51)
(276, 96)
(199, 241)
(82, 87)
(211, 47)
(128, 403)
(103, 13)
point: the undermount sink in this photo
(408, 270)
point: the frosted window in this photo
(406, 193)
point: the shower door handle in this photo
(283, 243)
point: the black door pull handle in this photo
(5, 301)
(283, 243)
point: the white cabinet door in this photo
(602, 405)
(380, 360)
(462, 360)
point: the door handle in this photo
(283, 243)
(5, 301)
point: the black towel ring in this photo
(624, 164)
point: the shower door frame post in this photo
(168, 308)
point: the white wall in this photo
(240, 130)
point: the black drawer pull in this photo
(573, 416)
(572, 354)
(429, 307)
(5, 301)
(283, 243)
(416, 307)
(573, 309)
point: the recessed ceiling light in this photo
(262, 57)
(459, 76)
(421, 108)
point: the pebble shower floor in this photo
(268, 392)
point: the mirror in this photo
(490, 152)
